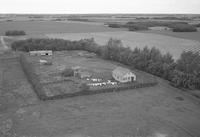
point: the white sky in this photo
(100, 6)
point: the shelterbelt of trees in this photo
(175, 26)
(182, 73)
(14, 32)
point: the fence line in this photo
(39, 89)
(32, 77)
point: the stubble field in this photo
(173, 43)
(183, 35)
(44, 27)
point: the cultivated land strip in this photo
(175, 46)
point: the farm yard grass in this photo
(55, 84)
(44, 27)
(174, 46)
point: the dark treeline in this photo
(184, 73)
(54, 44)
(172, 18)
(183, 28)
(197, 25)
(14, 33)
(79, 19)
(175, 26)
(115, 25)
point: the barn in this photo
(123, 75)
(41, 53)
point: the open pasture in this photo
(44, 27)
(174, 46)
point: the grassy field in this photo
(173, 45)
(43, 27)
(183, 35)
(158, 111)
(154, 111)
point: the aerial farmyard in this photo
(113, 74)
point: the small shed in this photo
(42, 62)
(160, 28)
(41, 53)
(45, 62)
(123, 75)
(86, 54)
(84, 74)
(81, 72)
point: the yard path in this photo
(3, 46)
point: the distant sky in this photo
(100, 6)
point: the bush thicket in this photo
(68, 72)
(84, 87)
(183, 28)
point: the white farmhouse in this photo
(123, 75)
(41, 53)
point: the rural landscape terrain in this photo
(57, 75)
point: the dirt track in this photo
(3, 46)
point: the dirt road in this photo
(3, 46)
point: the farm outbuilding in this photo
(84, 74)
(45, 62)
(123, 75)
(81, 72)
(42, 62)
(160, 28)
(41, 53)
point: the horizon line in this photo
(105, 13)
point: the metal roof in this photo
(40, 51)
(121, 71)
